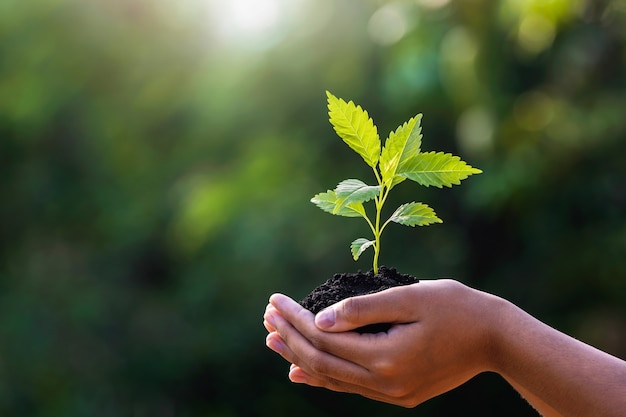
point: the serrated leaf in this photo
(400, 147)
(415, 214)
(355, 128)
(438, 169)
(359, 245)
(329, 202)
(356, 191)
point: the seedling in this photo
(399, 159)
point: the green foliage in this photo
(414, 214)
(401, 158)
(438, 169)
(355, 127)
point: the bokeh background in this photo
(157, 159)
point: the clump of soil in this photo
(346, 285)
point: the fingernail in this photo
(325, 318)
(269, 317)
(277, 299)
(275, 345)
(296, 376)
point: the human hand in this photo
(440, 337)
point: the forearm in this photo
(538, 404)
(557, 374)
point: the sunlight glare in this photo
(256, 21)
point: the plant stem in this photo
(380, 200)
(377, 237)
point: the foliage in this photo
(401, 158)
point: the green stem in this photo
(380, 200)
(377, 238)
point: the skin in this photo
(443, 334)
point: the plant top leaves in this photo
(355, 127)
(401, 158)
(400, 148)
(438, 169)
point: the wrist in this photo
(499, 323)
(508, 327)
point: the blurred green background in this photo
(157, 160)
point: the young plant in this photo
(399, 159)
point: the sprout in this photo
(399, 159)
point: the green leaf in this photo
(415, 214)
(359, 245)
(400, 147)
(438, 169)
(356, 191)
(329, 201)
(355, 127)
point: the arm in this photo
(444, 333)
(567, 376)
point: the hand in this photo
(440, 337)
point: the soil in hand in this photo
(346, 285)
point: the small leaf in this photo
(328, 202)
(359, 245)
(438, 169)
(415, 214)
(356, 191)
(400, 147)
(355, 127)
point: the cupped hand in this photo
(440, 337)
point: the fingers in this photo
(270, 328)
(299, 376)
(294, 347)
(394, 305)
(356, 348)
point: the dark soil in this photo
(346, 285)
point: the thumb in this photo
(388, 306)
